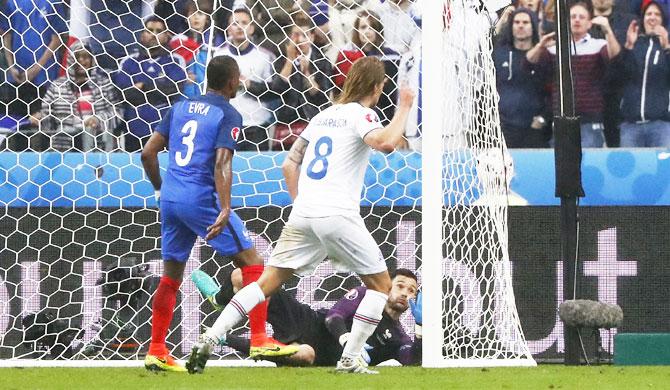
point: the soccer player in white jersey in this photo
(324, 173)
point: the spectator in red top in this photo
(590, 58)
(368, 41)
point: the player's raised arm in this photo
(387, 138)
(291, 166)
(150, 152)
(223, 181)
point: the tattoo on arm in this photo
(297, 152)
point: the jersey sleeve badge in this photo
(235, 133)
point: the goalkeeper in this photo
(321, 334)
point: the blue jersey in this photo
(195, 129)
(33, 23)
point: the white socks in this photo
(236, 310)
(365, 322)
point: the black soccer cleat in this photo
(200, 353)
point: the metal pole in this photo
(567, 154)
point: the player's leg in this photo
(280, 309)
(235, 311)
(291, 242)
(355, 249)
(177, 242)
(303, 358)
(251, 264)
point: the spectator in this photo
(637, 7)
(256, 76)
(150, 80)
(590, 58)
(548, 23)
(273, 17)
(399, 14)
(188, 44)
(79, 107)
(644, 69)
(113, 26)
(619, 20)
(172, 12)
(523, 99)
(368, 41)
(319, 12)
(32, 33)
(303, 83)
(342, 16)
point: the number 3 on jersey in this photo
(322, 157)
(190, 128)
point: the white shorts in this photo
(305, 242)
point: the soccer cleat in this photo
(207, 287)
(271, 348)
(353, 366)
(162, 363)
(200, 353)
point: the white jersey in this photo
(256, 65)
(333, 169)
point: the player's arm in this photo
(291, 166)
(156, 144)
(223, 181)
(386, 139)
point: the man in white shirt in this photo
(256, 70)
(324, 173)
(400, 24)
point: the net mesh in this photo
(480, 320)
(80, 230)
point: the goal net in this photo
(80, 232)
(472, 317)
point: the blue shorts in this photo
(182, 223)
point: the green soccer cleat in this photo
(207, 287)
(271, 348)
(162, 363)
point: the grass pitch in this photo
(542, 377)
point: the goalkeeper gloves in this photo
(365, 355)
(416, 306)
(157, 195)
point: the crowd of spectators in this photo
(106, 88)
(620, 64)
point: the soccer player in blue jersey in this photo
(201, 136)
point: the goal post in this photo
(470, 317)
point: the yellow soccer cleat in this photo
(271, 348)
(162, 363)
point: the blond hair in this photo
(363, 77)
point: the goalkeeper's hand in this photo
(416, 305)
(365, 354)
(157, 195)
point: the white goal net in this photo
(478, 324)
(80, 232)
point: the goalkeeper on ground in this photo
(321, 334)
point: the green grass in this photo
(542, 377)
